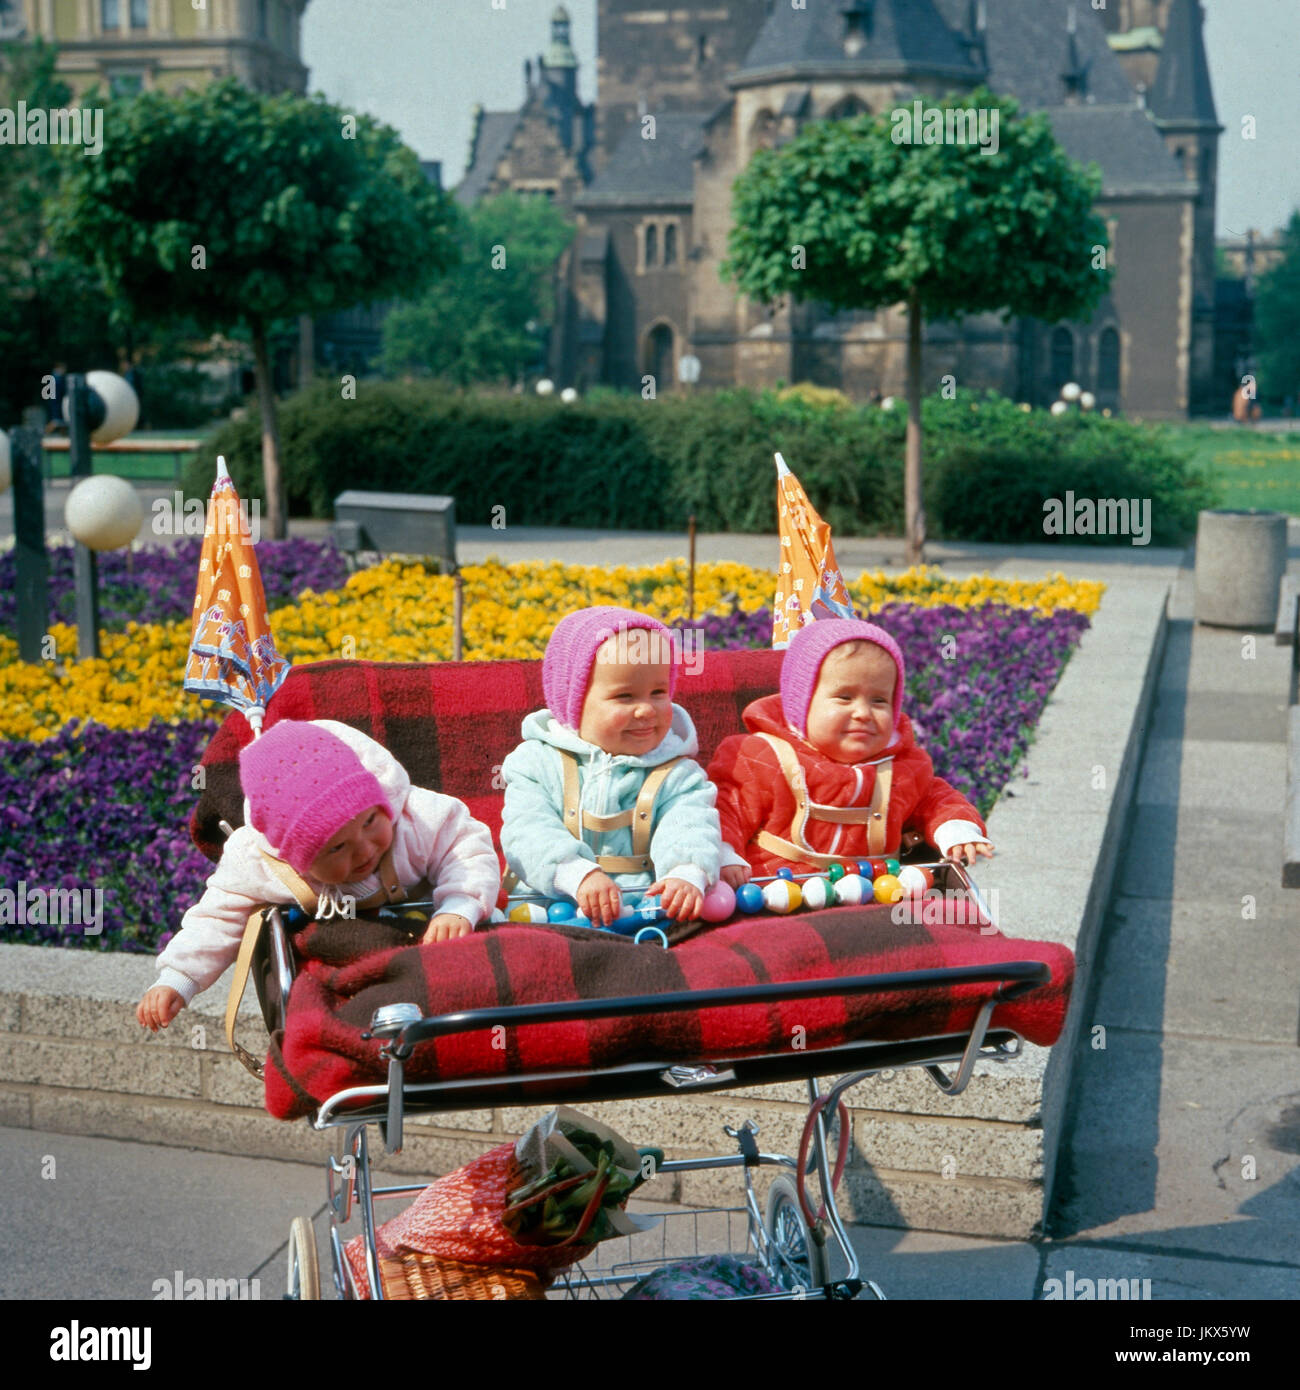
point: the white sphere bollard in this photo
(568, 395)
(1240, 561)
(6, 463)
(1087, 401)
(545, 386)
(121, 406)
(888, 403)
(1059, 407)
(103, 512)
(1071, 391)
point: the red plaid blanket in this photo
(333, 998)
(451, 726)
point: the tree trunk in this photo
(272, 484)
(913, 503)
(306, 351)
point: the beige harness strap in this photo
(640, 817)
(875, 816)
(238, 983)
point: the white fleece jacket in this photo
(434, 837)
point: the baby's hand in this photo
(159, 1006)
(736, 874)
(599, 899)
(682, 901)
(446, 926)
(967, 853)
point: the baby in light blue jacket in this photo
(603, 796)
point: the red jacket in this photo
(753, 794)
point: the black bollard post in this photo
(85, 413)
(32, 565)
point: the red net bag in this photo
(459, 1218)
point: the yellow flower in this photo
(398, 611)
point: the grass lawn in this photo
(1249, 468)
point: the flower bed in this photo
(103, 800)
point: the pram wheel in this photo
(304, 1267)
(798, 1261)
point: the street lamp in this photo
(102, 406)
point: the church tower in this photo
(1182, 103)
(668, 58)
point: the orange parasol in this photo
(809, 585)
(232, 652)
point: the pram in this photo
(800, 1242)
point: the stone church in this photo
(1126, 87)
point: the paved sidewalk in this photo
(1183, 1162)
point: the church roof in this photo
(661, 170)
(1182, 91)
(1124, 142)
(494, 133)
(900, 34)
(1028, 45)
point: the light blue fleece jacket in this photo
(686, 840)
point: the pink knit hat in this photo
(303, 785)
(571, 652)
(810, 646)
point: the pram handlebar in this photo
(1014, 977)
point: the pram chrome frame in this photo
(402, 1029)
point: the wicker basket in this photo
(418, 1276)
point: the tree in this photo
(1277, 319)
(233, 208)
(475, 326)
(54, 308)
(851, 215)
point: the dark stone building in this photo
(688, 94)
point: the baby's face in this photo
(354, 851)
(628, 708)
(851, 714)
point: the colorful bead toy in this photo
(887, 889)
(719, 902)
(782, 896)
(819, 893)
(914, 880)
(749, 898)
(852, 889)
(852, 883)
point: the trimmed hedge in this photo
(620, 463)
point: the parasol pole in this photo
(690, 577)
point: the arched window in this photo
(764, 130)
(1108, 349)
(651, 244)
(846, 108)
(659, 356)
(670, 243)
(1062, 357)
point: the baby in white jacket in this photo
(332, 812)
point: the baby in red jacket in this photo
(829, 770)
